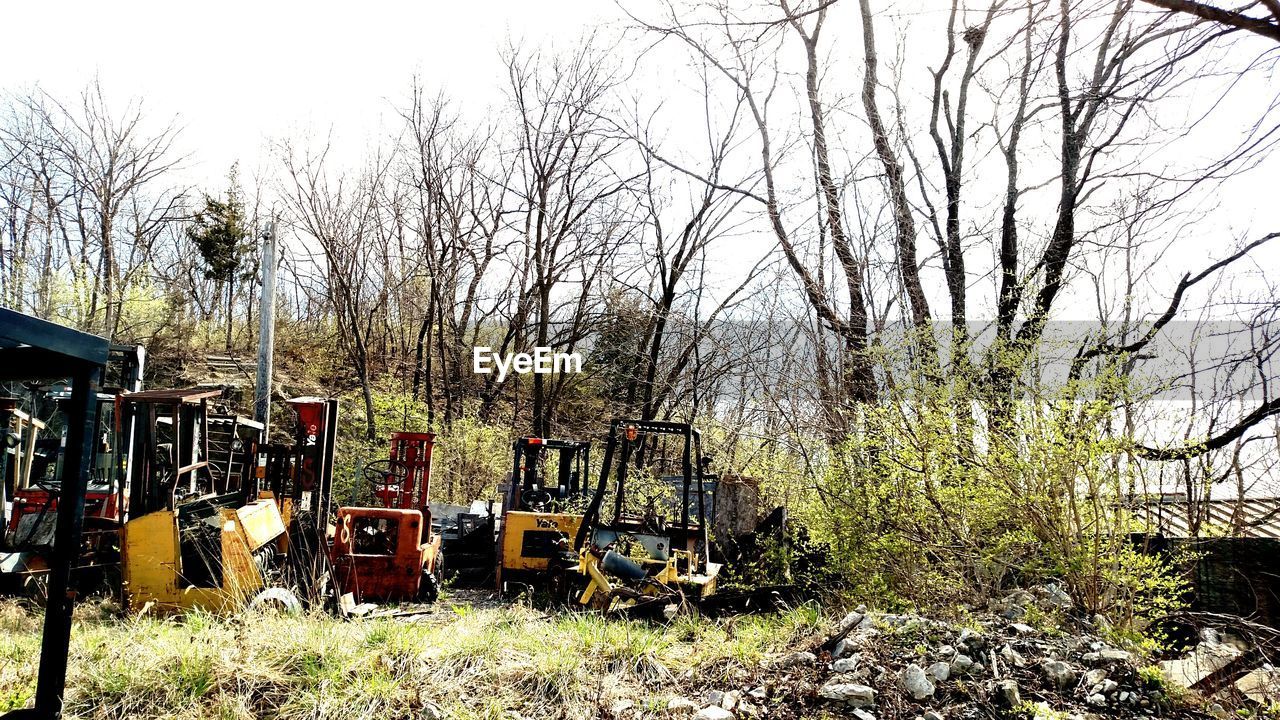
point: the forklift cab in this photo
(32, 480)
(533, 488)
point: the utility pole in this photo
(266, 330)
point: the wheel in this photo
(564, 584)
(277, 600)
(429, 589)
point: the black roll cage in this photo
(691, 476)
(573, 463)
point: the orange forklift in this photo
(391, 553)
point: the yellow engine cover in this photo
(528, 538)
(261, 521)
(151, 559)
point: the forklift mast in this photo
(310, 484)
(410, 460)
(168, 446)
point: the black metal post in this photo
(593, 508)
(704, 522)
(66, 548)
(686, 470)
(6, 414)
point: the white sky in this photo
(241, 72)
(238, 74)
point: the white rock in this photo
(681, 706)
(792, 660)
(1096, 700)
(932, 715)
(1011, 656)
(1108, 655)
(961, 664)
(850, 621)
(1022, 628)
(855, 694)
(1009, 691)
(914, 680)
(1059, 673)
(713, 697)
(620, 707)
(863, 715)
(1094, 677)
(731, 700)
(845, 665)
(940, 671)
(1057, 597)
(713, 712)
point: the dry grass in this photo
(471, 662)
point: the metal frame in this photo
(315, 436)
(31, 348)
(188, 411)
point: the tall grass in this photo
(468, 662)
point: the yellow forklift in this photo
(644, 559)
(540, 514)
(190, 541)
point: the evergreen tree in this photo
(221, 234)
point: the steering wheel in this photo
(385, 473)
(535, 499)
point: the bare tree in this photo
(1267, 26)
(568, 173)
(347, 219)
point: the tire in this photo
(276, 600)
(429, 589)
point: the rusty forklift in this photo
(35, 436)
(391, 553)
(541, 508)
(645, 559)
(191, 540)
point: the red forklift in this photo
(30, 485)
(391, 553)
